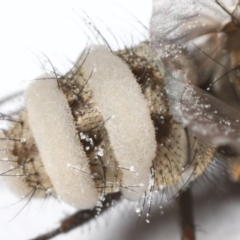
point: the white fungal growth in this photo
(131, 131)
(174, 89)
(52, 124)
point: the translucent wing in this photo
(198, 45)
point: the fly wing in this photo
(183, 22)
(185, 43)
(197, 28)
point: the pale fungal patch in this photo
(52, 124)
(127, 117)
(174, 89)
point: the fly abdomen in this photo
(104, 127)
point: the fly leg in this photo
(185, 203)
(81, 217)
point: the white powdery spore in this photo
(52, 124)
(131, 130)
(174, 89)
